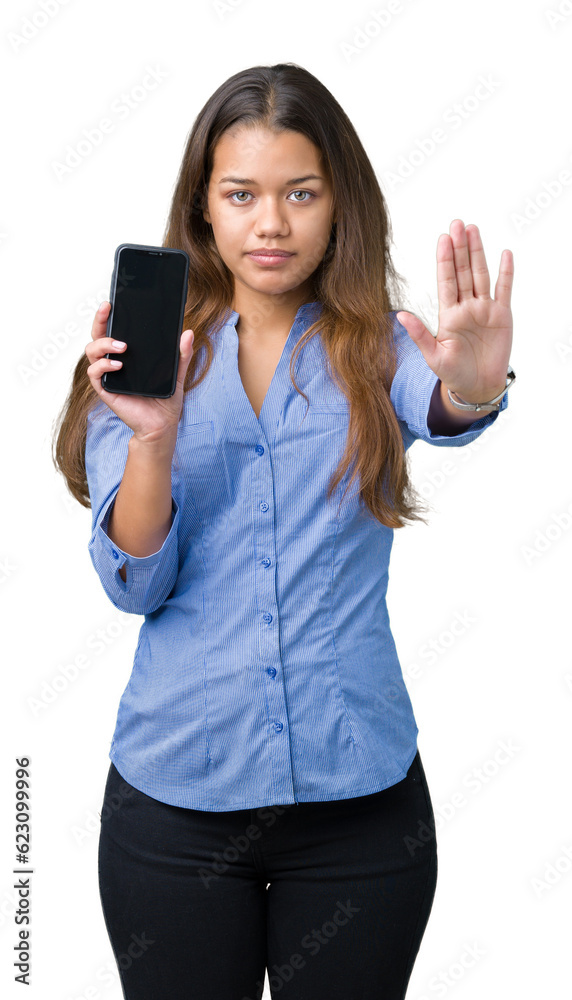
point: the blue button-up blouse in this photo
(265, 671)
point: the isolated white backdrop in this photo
(497, 548)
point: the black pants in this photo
(331, 897)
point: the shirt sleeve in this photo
(149, 579)
(411, 392)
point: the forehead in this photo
(260, 151)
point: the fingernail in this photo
(102, 306)
(117, 343)
(115, 363)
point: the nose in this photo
(271, 219)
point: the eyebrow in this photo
(248, 180)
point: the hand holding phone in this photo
(144, 315)
(150, 419)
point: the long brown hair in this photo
(355, 282)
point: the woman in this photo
(266, 805)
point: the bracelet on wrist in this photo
(494, 404)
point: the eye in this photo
(307, 196)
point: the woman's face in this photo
(269, 190)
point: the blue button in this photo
(259, 449)
(271, 671)
(278, 727)
(264, 505)
(115, 554)
(266, 562)
(266, 617)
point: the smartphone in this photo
(148, 296)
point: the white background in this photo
(493, 551)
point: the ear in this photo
(206, 215)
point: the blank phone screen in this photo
(150, 290)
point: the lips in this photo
(270, 253)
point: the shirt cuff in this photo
(470, 432)
(417, 387)
(149, 579)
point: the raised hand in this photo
(471, 351)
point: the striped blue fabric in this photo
(266, 671)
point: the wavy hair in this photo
(355, 282)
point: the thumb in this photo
(419, 334)
(185, 354)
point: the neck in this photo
(264, 316)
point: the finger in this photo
(104, 345)
(99, 325)
(480, 271)
(107, 397)
(95, 373)
(446, 276)
(420, 335)
(463, 270)
(503, 287)
(98, 368)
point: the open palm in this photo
(471, 351)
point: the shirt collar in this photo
(306, 308)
